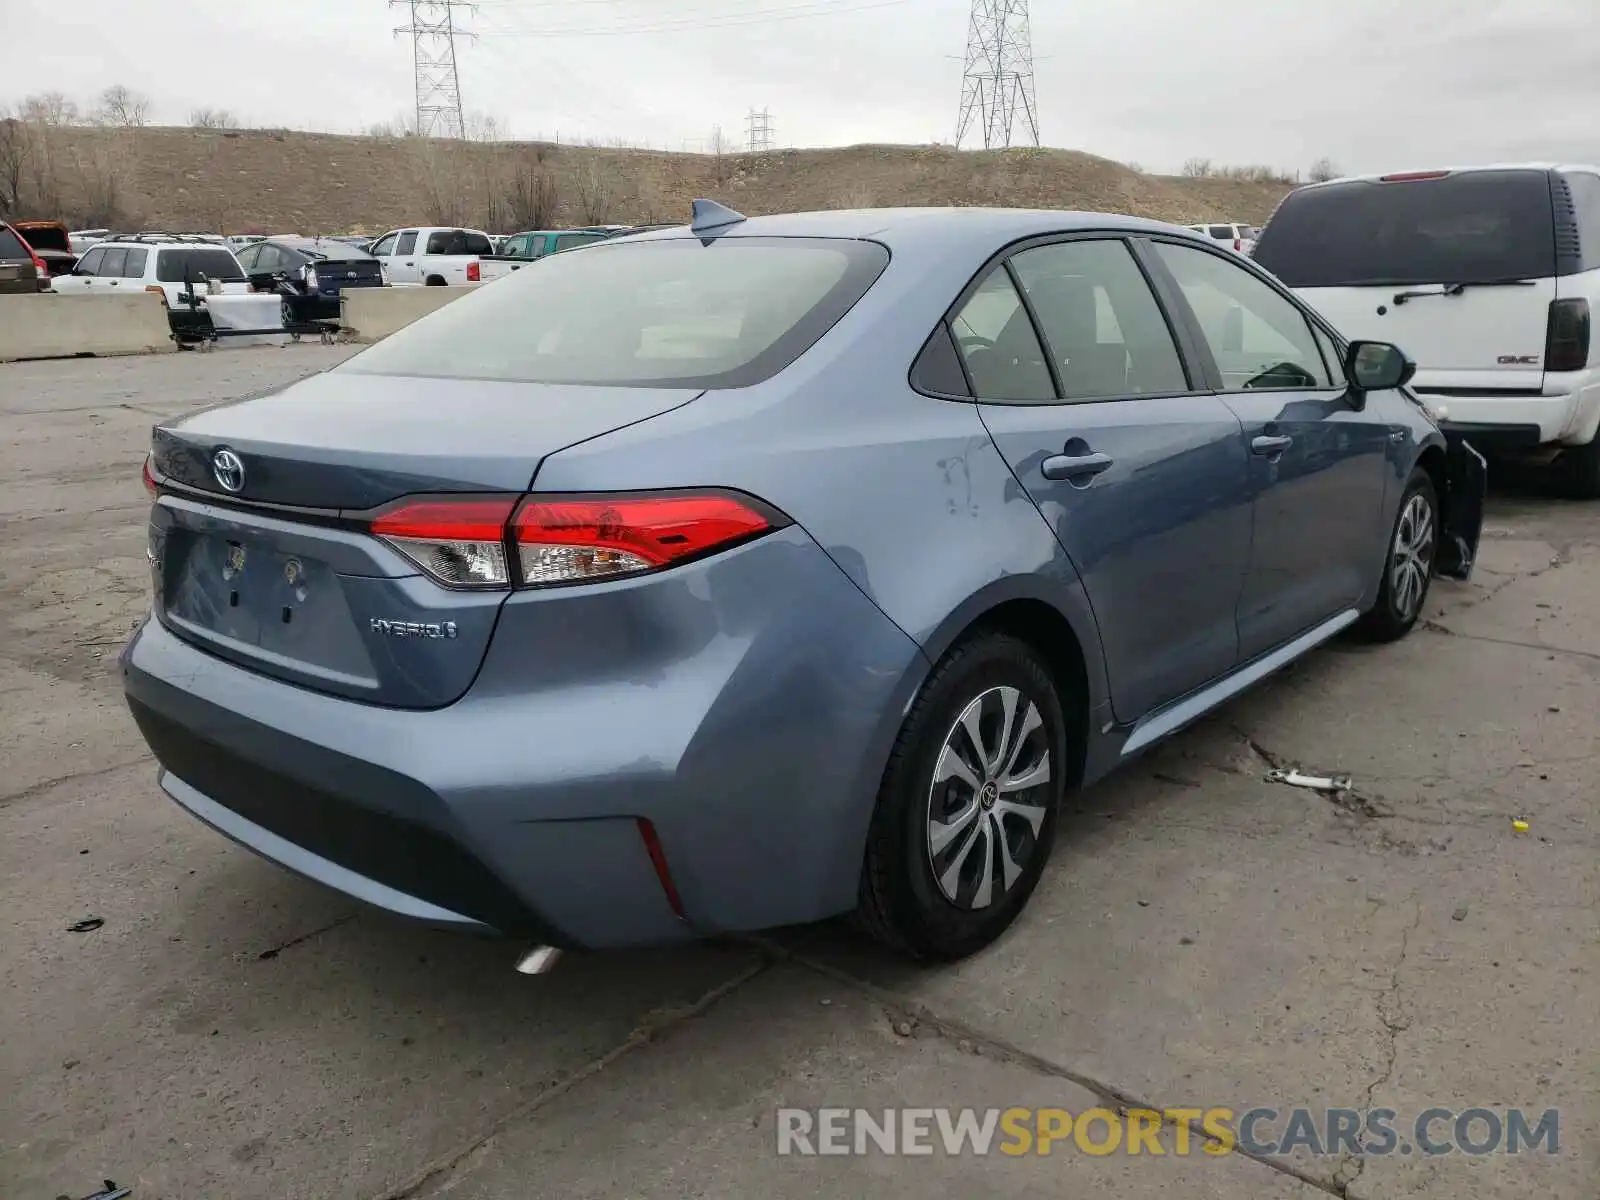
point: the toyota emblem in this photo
(228, 469)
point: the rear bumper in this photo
(746, 711)
(1508, 422)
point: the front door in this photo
(1318, 458)
(1142, 474)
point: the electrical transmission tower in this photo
(759, 126)
(997, 80)
(433, 33)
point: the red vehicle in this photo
(51, 243)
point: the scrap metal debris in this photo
(87, 925)
(109, 1191)
(1315, 783)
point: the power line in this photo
(997, 78)
(433, 51)
(710, 20)
(759, 127)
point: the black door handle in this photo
(1074, 467)
(1269, 445)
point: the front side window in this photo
(673, 313)
(1100, 320)
(1260, 340)
(89, 264)
(997, 343)
(384, 245)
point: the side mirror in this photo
(1377, 366)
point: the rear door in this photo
(1318, 462)
(1142, 473)
(1456, 268)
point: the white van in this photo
(1486, 276)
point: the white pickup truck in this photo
(435, 256)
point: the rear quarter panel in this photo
(906, 493)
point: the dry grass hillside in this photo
(279, 181)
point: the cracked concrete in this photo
(1203, 937)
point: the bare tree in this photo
(121, 105)
(484, 127)
(534, 198)
(1323, 170)
(442, 177)
(1198, 168)
(720, 147)
(213, 118)
(48, 108)
(15, 150)
(593, 193)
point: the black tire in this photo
(903, 903)
(1580, 471)
(1399, 604)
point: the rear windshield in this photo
(458, 241)
(1472, 227)
(213, 264)
(11, 247)
(1222, 232)
(671, 313)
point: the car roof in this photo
(1379, 176)
(917, 226)
(327, 247)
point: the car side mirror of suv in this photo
(1377, 366)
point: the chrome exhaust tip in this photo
(539, 961)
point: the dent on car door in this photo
(1139, 471)
(1319, 455)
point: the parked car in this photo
(237, 242)
(81, 239)
(310, 274)
(434, 256)
(1237, 237)
(839, 563)
(179, 268)
(1489, 276)
(522, 248)
(21, 270)
(51, 242)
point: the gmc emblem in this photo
(1518, 360)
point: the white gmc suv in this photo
(1487, 276)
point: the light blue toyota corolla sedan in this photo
(752, 572)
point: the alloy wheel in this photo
(1411, 560)
(991, 785)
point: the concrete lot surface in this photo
(1203, 937)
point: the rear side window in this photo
(11, 246)
(133, 268)
(1586, 200)
(1468, 227)
(1101, 321)
(998, 344)
(212, 263)
(642, 314)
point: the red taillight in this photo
(463, 541)
(148, 475)
(458, 541)
(1238, 244)
(571, 539)
(1566, 338)
(658, 859)
(474, 273)
(1412, 176)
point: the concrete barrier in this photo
(371, 314)
(51, 326)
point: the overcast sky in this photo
(1375, 84)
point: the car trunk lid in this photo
(259, 545)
